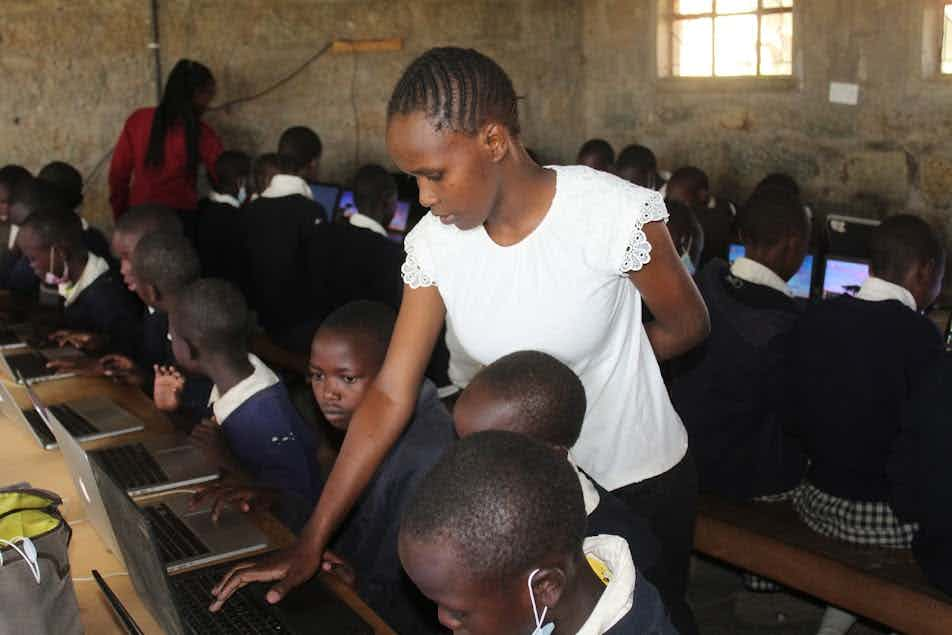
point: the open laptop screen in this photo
(843, 277)
(326, 195)
(801, 280)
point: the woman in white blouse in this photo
(518, 257)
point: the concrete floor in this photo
(722, 605)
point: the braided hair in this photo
(177, 106)
(458, 89)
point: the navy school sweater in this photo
(368, 538)
(218, 239)
(920, 471)
(273, 444)
(730, 390)
(108, 308)
(647, 616)
(854, 365)
(155, 348)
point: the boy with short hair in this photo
(95, 302)
(68, 182)
(375, 194)
(730, 391)
(209, 326)
(637, 164)
(495, 535)
(535, 394)
(597, 154)
(303, 148)
(218, 233)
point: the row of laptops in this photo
(840, 276)
(164, 536)
(339, 203)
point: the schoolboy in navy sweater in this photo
(855, 363)
(730, 390)
(346, 355)
(495, 535)
(218, 235)
(209, 326)
(94, 300)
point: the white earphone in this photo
(27, 552)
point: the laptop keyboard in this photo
(39, 426)
(74, 424)
(240, 614)
(131, 466)
(176, 541)
(29, 365)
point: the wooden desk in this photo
(22, 459)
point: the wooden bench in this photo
(885, 585)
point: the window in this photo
(947, 39)
(726, 38)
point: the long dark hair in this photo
(177, 106)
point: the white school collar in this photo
(227, 199)
(95, 267)
(261, 378)
(365, 222)
(286, 185)
(619, 595)
(878, 290)
(589, 494)
(755, 273)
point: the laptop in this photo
(15, 337)
(86, 419)
(346, 206)
(186, 538)
(31, 365)
(397, 228)
(179, 603)
(801, 281)
(843, 276)
(849, 235)
(326, 194)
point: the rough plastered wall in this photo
(890, 152)
(74, 69)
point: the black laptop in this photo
(180, 603)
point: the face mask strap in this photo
(28, 553)
(535, 611)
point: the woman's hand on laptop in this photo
(291, 567)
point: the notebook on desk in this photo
(180, 603)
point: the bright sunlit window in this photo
(730, 38)
(947, 39)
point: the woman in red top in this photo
(156, 158)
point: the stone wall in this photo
(73, 70)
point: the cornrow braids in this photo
(458, 89)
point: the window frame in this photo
(665, 18)
(929, 48)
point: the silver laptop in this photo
(15, 337)
(30, 365)
(86, 419)
(186, 538)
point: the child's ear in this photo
(548, 585)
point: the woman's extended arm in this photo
(374, 428)
(681, 320)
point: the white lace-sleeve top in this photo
(564, 290)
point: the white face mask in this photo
(688, 263)
(51, 278)
(539, 629)
(242, 195)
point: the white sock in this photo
(836, 622)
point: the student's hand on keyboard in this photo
(81, 365)
(244, 498)
(291, 567)
(339, 568)
(78, 339)
(167, 390)
(122, 369)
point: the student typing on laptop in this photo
(94, 301)
(262, 430)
